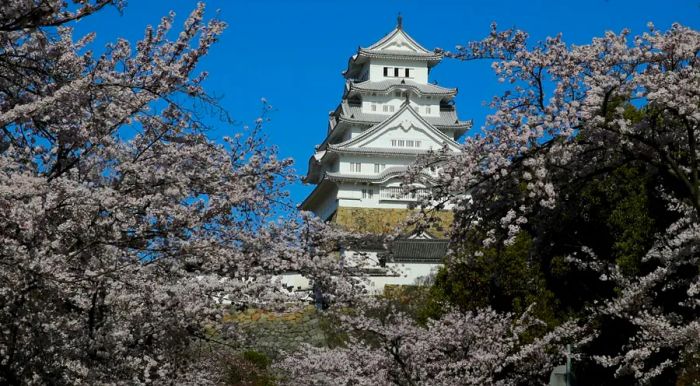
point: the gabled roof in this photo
(353, 115)
(397, 44)
(391, 120)
(398, 40)
(378, 122)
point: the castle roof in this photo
(354, 145)
(388, 85)
(385, 175)
(396, 45)
(418, 250)
(406, 108)
(447, 119)
(353, 114)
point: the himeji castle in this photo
(389, 114)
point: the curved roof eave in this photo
(389, 87)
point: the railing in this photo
(398, 194)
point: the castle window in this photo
(400, 143)
(408, 73)
(368, 193)
(385, 108)
(427, 110)
(386, 71)
(379, 167)
(391, 108)
(396, 72)
(397, 93)
(356, 167)
(374, 107)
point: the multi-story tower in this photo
(389, 114)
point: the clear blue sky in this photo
(292, 52)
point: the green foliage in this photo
(506, 278)
(690, 375)
(335, 335)
(257, 359)
(249, 368)
(617, 213)
(621, 203)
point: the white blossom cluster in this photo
(120, 221)
(484, 347)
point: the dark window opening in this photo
(355, 101)
(396, 72)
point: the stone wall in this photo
(272, 332)
(382, 221)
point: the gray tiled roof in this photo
(404, 250)
(389, 84)
(446, 119)
(418, 250)
(399, 54)
(377, 150)
(388, 173)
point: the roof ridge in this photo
(397, 30)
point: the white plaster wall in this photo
(419, 69)
(409, 274)
(296, 281)
(368, 162)
(417, 103)
(397, 274)
(350, 196)
(421, 103)
(379, 101)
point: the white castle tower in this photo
(389, 114)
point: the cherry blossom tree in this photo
(121, 223)
(572, 112)
(388, 347)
